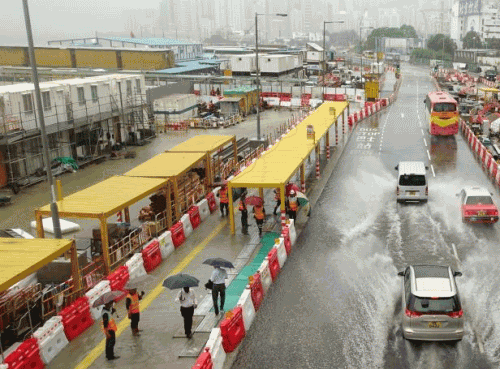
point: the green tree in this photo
(441, 42)
(493, 43)
(404, 31)
(472, 40)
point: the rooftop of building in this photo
(191, 66)
(240, 90)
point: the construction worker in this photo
(108, 326)
(244, 214)
(259, 213)
(277, 197)
(224, 200)
(132, 305)
(293, 205)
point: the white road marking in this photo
(433, 173)
(479, 342)
(455, 252)
(422, 130)
(425, 142)
(428, 155)
(402, 115)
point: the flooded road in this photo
(337, 304)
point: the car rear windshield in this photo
(434, 305)
(444, 107)
(412, 180)
(475, 200)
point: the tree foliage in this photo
(404, 31)
(441, 42)
(418, 54)
(472, 40)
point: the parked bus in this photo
(442, 113)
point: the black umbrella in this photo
(180, 281)
(219, 262)
(107, 297)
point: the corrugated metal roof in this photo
(191, 66)
(152, 41)
(20, 257)
(167, 164)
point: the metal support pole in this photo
(31, 52)
(257, 82)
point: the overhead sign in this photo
(469, 7)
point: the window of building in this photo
(46, 100)
(81, 95)
(28, 103)
(129, 88)
(93, 93)
(138, 85)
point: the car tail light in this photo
(397, 190)
(456, 314)
(426, 190)
(412, 314)
(493, 212)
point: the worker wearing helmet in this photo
(293, 205)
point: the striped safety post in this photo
(283, 219)
(317, 168)
(303, 186)
(327, 152)
(336, 134)
(119, 216)
(343, 127)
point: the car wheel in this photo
(464, 220)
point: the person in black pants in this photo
(108, 326)
(218, 277)
(187, 299)
(244, 214)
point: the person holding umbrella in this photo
(132, 305)
(218, 277)
(187, 299)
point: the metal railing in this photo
(122, 249)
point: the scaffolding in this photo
(85, 134)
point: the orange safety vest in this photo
(223, 196)
(134, 305)
(111, 326)
(259, 213)
(293, 205)
(242, 206)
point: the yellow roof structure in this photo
(203, 143)
(279, 164)
(107, 197)
(167, 164)
(21, 257)
(489, 89)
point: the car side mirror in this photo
(396, 167)
(424, 101)
(457, 274)
(457, 194)
(401, 273)
(426, 168)
(491, 193)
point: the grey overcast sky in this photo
(59, 19)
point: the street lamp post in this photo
(31, 52)
(257, 72)
(324, 47)
(361, 49)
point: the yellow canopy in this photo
(203, 143)
(489, 89)
(21, 257)
(278, 165)
(167, 164)
(107, 197)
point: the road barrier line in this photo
(433, 172)
(425, 142)
(150, 297)
(428, 155)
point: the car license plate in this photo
(413, 193)
(481, 213)
(434, 324)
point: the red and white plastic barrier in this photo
(256, 290)
(166, 244)
(76, 318)
(93, 294)
(279, 245)
(265, 275)
(51, 339)
(214, 345)
(274, 265)
(212, 202)
(135, 266)
(203, 209)
(186, 225)
(215, 191)
(118, 279)
(151, 255)
(194, 216)
(204, 361)
(177, 232)
(232, 329)
(26, 356)
(246, 304)
(292, 231)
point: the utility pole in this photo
(31, 51)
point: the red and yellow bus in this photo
(442, 113)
